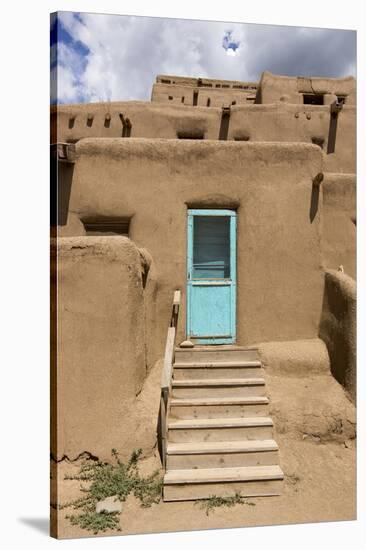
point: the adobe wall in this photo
(218, 97)
(205, 82)
(338, 327)
(339, 222)
(276, 122)
(299, 123)
(103, 349)
(220, 93)
(290, 89)
(149, 120)
(306, 402)
(280, 277)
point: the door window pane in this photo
(211, 247)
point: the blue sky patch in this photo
(99, 57)
(228, 43)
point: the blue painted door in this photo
(211, 276)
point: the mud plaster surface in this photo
(315, 433)
(319, 486)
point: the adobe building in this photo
(241, 196)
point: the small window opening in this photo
(89, 121)
(107, 121)
(170, 97)
(226, 86)
(182, 98)
(165, 81)
(195, 98)
(193, 134)
(318, 141)
(208, 102)
(218, 85)
(313, 99)
(241, 138)
(71, 122)
(233, 103)
(106, 226)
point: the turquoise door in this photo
(211, 276)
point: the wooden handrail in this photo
(168, 359)
(166, 377)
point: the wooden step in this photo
(219, 429)
(219, 369)
(228, 387)
(211, 407)
(227, 353)
(192, 484)
(221, 454)
(217, 364)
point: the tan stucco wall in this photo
(338, 327)
(284, 122)
(280, 278)
(290, 89)
(295, 358)
(280, 121)
(171, 89)
(103, 347)
(339, 222)
(219, 97)
(150, 120)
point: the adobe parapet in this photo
(209, 92)
(306, 90)
(204, 92)
(206, 82)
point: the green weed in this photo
(214, 502)
(105, 480)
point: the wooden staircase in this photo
(219, 437)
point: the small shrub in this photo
(105, 480)
(214, 502)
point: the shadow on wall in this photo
(332, 133)
(314, 203)
(61, 174)
(338, 327)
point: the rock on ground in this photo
(109, 504)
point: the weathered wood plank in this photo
(162, 419)
(168, 359)
(176, 299)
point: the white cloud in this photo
(66, 85)
(126, 53)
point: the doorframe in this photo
(191, 212)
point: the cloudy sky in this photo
(115, 57)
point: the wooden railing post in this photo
(166, 378)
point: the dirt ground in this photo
(319, 486)
(315, 430)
